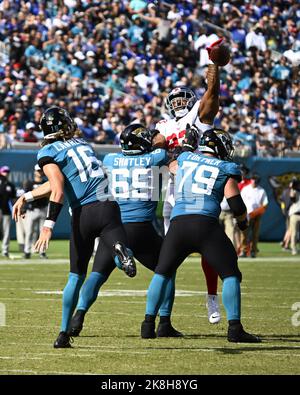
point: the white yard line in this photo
(33, 262)
(59, 261)
(125, 292)
(263, 259)
(45, 372)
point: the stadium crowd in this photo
(110, 63)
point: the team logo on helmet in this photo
(136, 139)
(217, 142)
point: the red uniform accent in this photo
(244, 183)
(211, 277)
(172, 140)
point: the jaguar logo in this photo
(280, 183)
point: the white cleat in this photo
(213, 309)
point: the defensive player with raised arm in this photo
(202, 179)
(71, 167)
(185, 109)
(134, 180)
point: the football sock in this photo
(89, 290)
(168, 300)
(155, 293)
(211, 277)
(231, 298)
(70, 298)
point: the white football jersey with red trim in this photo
(174, 130)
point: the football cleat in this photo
(76, 323)
(166, 329)
(213, 309)
(148, 330)
(63, 341)
(124, 259)
(236, 334)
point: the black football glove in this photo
(243, 225)
(190, 142)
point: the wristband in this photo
(28, 197)
(54, 209)
(49, 224)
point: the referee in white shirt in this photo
(256, 201)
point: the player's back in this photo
(134, 181)
(199, 184)
(81, 169)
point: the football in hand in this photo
(220, 54)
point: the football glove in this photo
(173, 155)
(190, 142)
(214, 44)
(243, 225)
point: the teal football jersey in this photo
(134, 182)
(199, 184)
(85, 180)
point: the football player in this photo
(71, 167)
(202, 179)
(185, 109)
(134, 175)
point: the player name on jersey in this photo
(128, 162)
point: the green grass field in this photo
(110, 342)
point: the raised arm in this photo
(209, 105)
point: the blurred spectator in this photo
(29, 135)
(294, 214)
(285, 204)
(227, 220)
(256, 201)
(36, 213)
(20, 224)
(7, 194)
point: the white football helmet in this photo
(180, 101)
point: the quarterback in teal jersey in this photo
(72, 169)
(203, 177)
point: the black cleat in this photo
(148, 330)
(236, 334)
(76, 323)
(166, 329)
(63, 341)
(126, 261)
(27, 255)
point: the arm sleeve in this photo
(237, 205)
(45, 156)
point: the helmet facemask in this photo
(180, 101)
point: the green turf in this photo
(110, 342)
